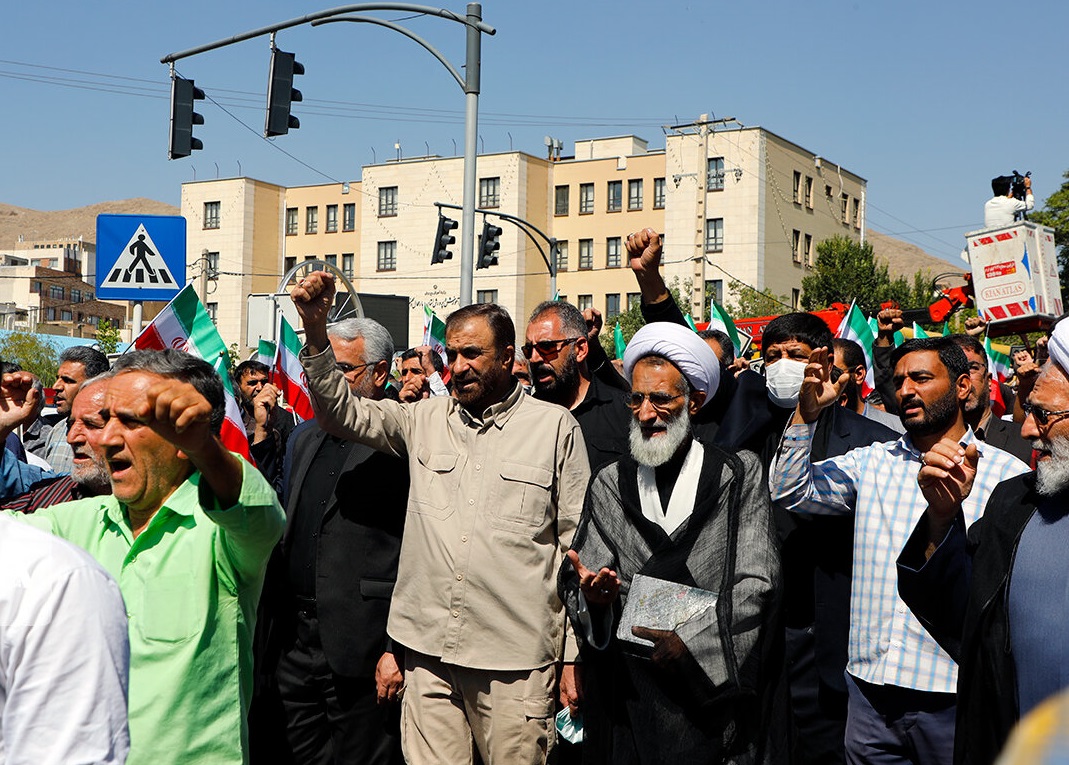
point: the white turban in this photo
(680, 345)
(1058, 346)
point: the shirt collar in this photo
(906, 442)
(182, 501)
(495, 414)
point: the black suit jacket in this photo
(357, 548)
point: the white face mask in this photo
(784, 379)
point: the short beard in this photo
(1052, 474)
(94, 480)
(564, 384)
(654, 452)
(937, 417)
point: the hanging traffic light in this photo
(281, 93)
(183, 95)
(488, 246)
(442, 239)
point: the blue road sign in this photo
(140, 257)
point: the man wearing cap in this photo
(994, 593)
(693, 688)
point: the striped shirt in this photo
(50, 491)
(888, 645)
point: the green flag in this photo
(918, 331)
(618, 341)
(719, 319)
(690, 321)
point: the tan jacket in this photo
(492, 508)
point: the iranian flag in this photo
(184, 325)
(434, 335)
(1001, 367)
(719, 319)
(289, 374)
(918, 331)
(856, 327)
(265, 352)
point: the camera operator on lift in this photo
(1013, 198)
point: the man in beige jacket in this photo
(497, 486)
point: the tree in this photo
(631, 320)
(1055, 213)
(32, 353)
(108, 337)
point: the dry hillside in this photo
(60, 224)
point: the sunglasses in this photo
(547, 349)
(1043, 416)
(658, 400)
(345, 369)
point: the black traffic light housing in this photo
(281, 94)
(442, 239)
(488, 246)
(183, 96)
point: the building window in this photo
(586, 254)
(486, 296)
(634, 300)
(612, 306)
(562, 256)
(616, 194)
(387, 260)
(213, 311)
(714, 174)
(809, 192)
(714, 235)
(311, 220)
(55, 292)
(560, 200)
(291, 221)
(584, 302)
(310, 258)
(89, 295)
(347, 264)
(348, 221)
(857, 213)
(586, 198)
(76, 295)
(714, 291)
(50, 314)
(331, 260)
(827, 191)
(796, 245)
(612, 252)
(388, 201)
(489, 192)
(289, 263)
(66, 316)
(796, 188)
(211, 215)
(212, 264)
(807, 252)
(796, 299)
(844, 205)
(634, 194)
(658, 193)
(35, 287)
(332, 219)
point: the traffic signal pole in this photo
(469, 83)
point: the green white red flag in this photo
(918, 331)
(265, 352)
(1001, 367)
(855, 326)
(288, 372)
(720, 319)
(185, 325)
(434, 333)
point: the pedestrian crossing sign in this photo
(140, 257)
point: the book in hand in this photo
(661, 605)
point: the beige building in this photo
(734, 203)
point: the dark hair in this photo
(436, 359)
(1001, 185)
(9, 367)
(969, 343)
(180, 366)
(571, 318)
(252, 366)
(950, 353)
(497, 317)
(852, 353)
(93, 360)
(727, 349)
(803, 327)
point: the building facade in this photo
(733, 203)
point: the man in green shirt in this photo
(186, 533)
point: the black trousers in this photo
(818, 711)
(331, 719)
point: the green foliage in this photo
(631, 320)
(1055, 213)
(745, 302)
(32, 353)
(234, 357)
(108, 337)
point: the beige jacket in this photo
(492, 507)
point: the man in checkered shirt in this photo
(901, 683)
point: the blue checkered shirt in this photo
(888, 645)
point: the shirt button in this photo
(460, 577)
(471, 501)
(456, 614)
(478, 467)
(332, 472)
(464, 538)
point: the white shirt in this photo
(999, 211)
(64, 653)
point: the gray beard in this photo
(1052, 474)
(654, 452)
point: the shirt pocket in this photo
(168, 610)
(524, 499)
(434, 488)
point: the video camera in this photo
(1017, 184)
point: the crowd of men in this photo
(529, 554)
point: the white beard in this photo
(656, 451)
(1052, 474)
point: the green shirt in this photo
(191, 581)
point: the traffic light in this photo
(281, 93)
(183, 95)
(443, 239)
(488, 246)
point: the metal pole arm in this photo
(524, 226)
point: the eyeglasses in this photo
(1042, 415)
(547, 349)
(658, 400)
(345, 369)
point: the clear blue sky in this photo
(928, 101)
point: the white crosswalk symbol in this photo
(140, 265)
